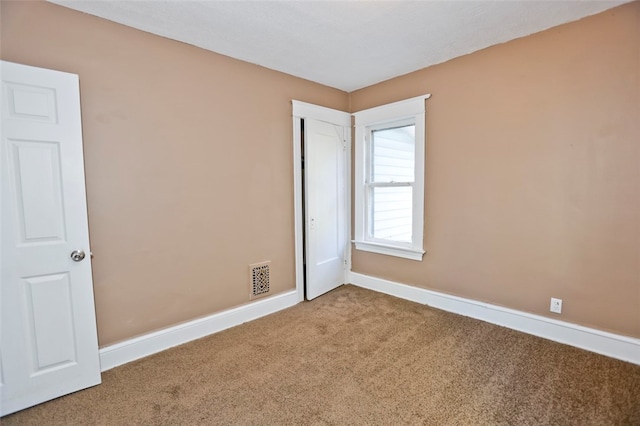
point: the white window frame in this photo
(410, 110)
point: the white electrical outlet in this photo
(556, 305)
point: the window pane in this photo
(391, 213)
(393, 152)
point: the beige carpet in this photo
(358, 357)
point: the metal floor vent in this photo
(259, 276)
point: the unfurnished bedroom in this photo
(320, 212)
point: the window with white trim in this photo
(389, 178)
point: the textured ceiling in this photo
(343, 44)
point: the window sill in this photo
(389, 250)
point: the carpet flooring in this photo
(357, 357)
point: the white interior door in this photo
(48, 340)
(325, 153)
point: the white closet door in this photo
(325, 207)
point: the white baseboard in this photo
(148, 344)
(601, 342)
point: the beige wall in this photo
(188, 158)
(532, 187)
(533, 173)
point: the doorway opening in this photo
(304, 234)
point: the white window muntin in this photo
(371, 183)
(408, 111)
